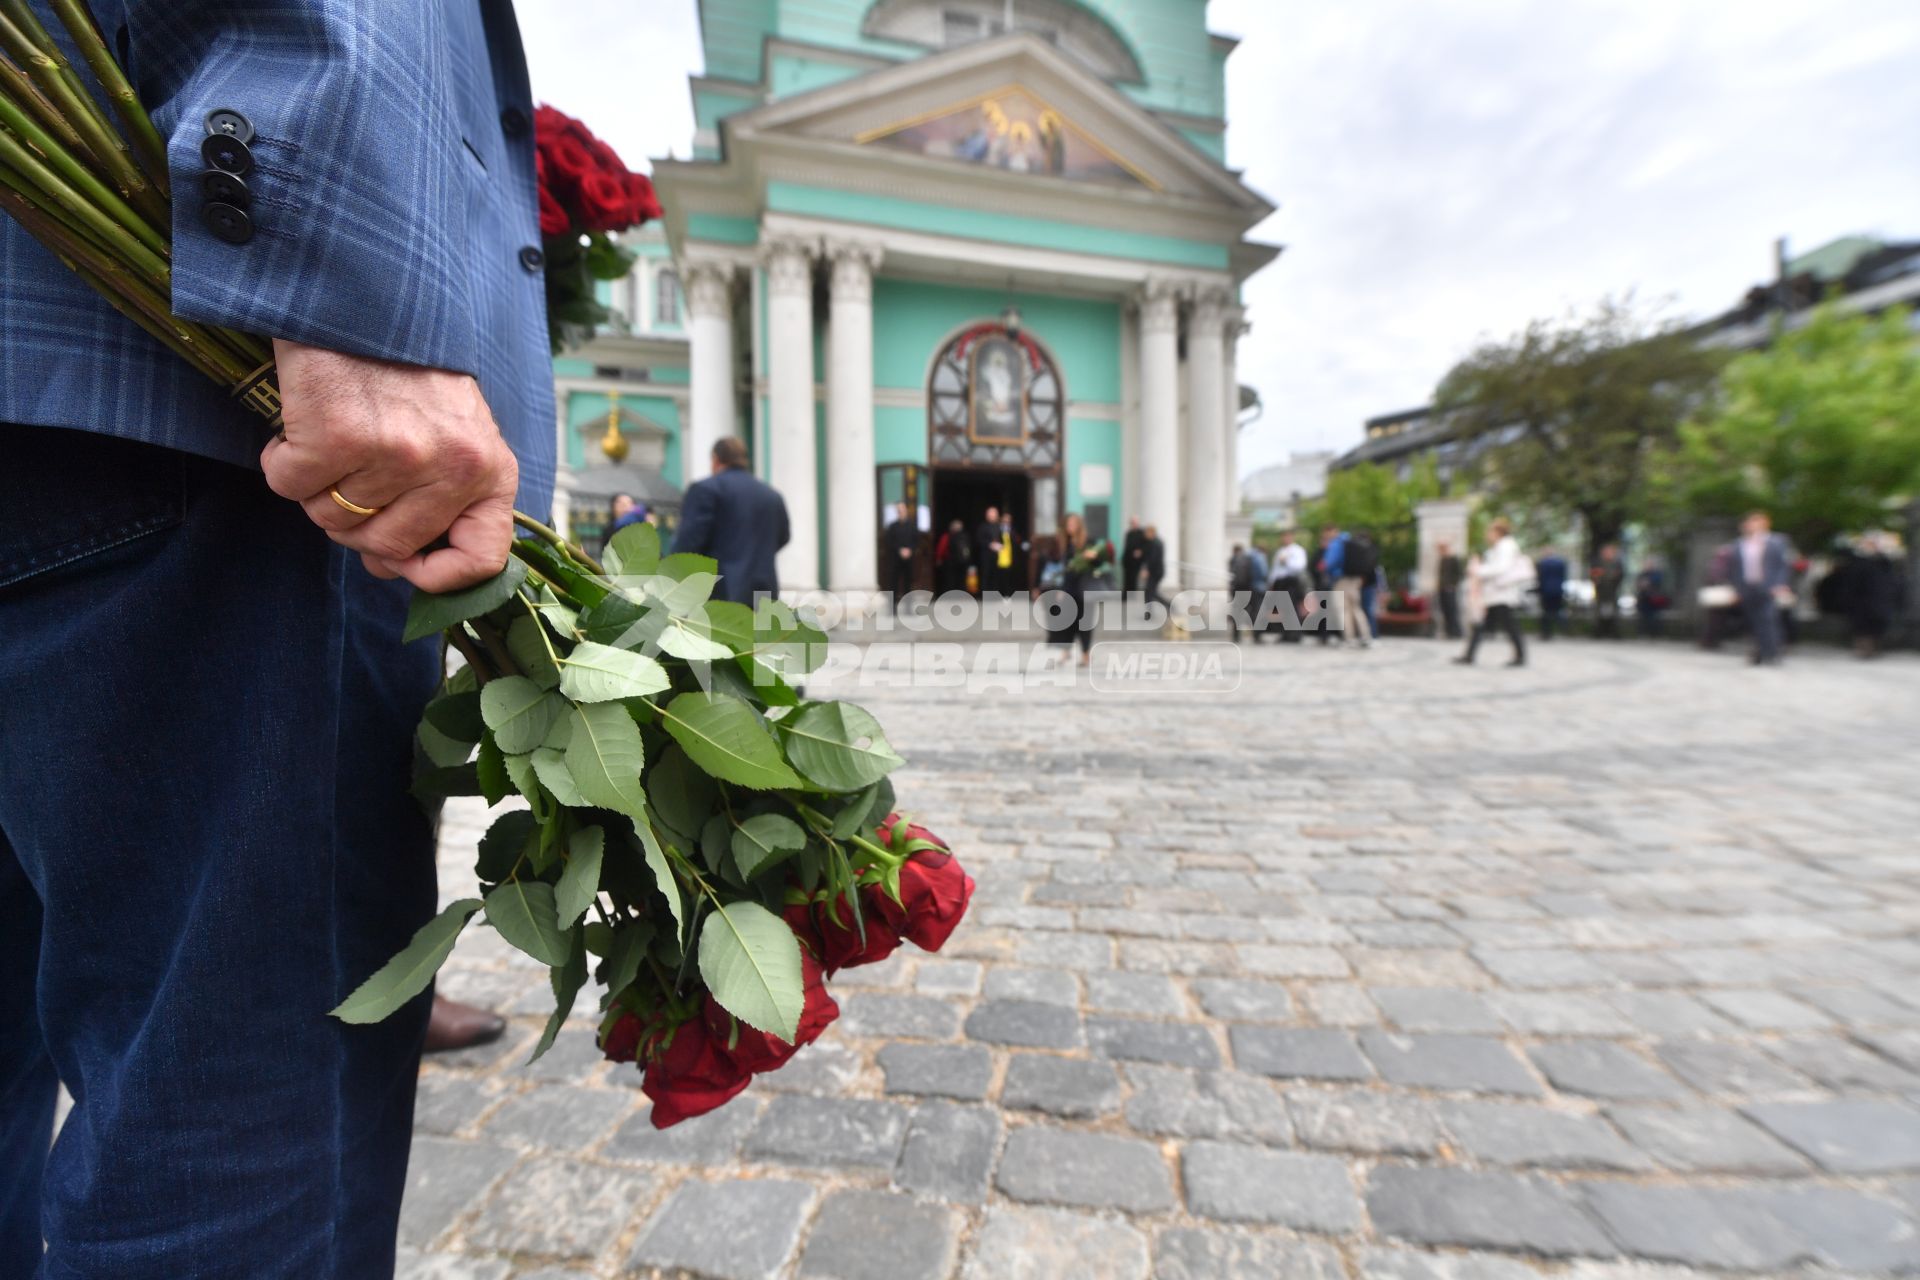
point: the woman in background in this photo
(1082, 559)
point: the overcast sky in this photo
(1448, 169)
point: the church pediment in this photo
(1014, 104)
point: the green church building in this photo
(956, 253)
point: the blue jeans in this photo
(205, 843)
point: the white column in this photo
(1129, 494)
(1236, 327)
(853, 531)
(1159, 303)
(1206, 509)
(790, 415)
(710, 358)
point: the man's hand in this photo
(419, 444)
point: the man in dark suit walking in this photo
(1762, 570)
(1133, 557)
(903, 540)
(737, 519)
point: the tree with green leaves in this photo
(1572, 412)
(1373, 497)
(1822, 428)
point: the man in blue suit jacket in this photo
(1762, 573)
(206, 715)
(739, 521)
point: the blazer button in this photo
(226, 222)
(231, 123)
(224, 188)
(513, 122)
(225, 152)
(532, 259)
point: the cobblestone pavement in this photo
(1379, 968)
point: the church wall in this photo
(587, 416)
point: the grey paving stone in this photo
(574, 1057)
(1178, 1043)
(1435, 1009)
(1292, 961)
(866, 1013)
(878, 1235)
(1764, 1010)
(1041, 986)
(1560, 1013)
(1341, 1004)
(1170, 1102)
(938, 1070)
(1542, 969)
(1231, 1182)
(818, 1068)
(1303, 1053)
(949, 1152)
(1026, 1023)
(559, 1117)
(1410, 1264)
(1902, 1047)
(554, 1273)
(1847, 1135)
(1147, 994)
(1667, 1013)
(1244, 1001)
(444, 1179)
(1704, 1140)
(1840, 1064)
(948, 978)
(445, 1102)
(1369, 1121)
(711, 1139)
(1084, 1170)
(1481, 1210)
(559, 1209)
(1060, 1086)
(1846, 1228)
(843, 1132)
(1195, 1253)
(1473, 1064)
(1695, 1226)
(1049, 1244)
(744, 1229)
(411, 1265)
(1598, 1069)
(1528, 1136)
(1727, 1069)
(1063, 950)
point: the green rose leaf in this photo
(550, 766)
(519, 712)
(680, 795)
(760, 842)
(444, 751)
(527, 641)
(716, 842)
(687, 565)
(687, 640)
(503, 844)
(728, 739)
(457, 715)
(601, 673)
(567, 981)
(731, 624)
(527, 782)
(490, 767)
(750, 960)
(786, 643)
(839, 746)
(407, 974)
(431, 614)
(633, 550)
(662, 873)
(625, 956)
(580, 882)
(623, 623)
(523, 912)
(605, 758)
(848, 821)
(431, 786)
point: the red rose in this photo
(553, 217)
(934, 890)
(604, 203)
(801, 919)
(622, 1042)
(756, 1051)
(841, 944)
(692, 1077)
(642, 202)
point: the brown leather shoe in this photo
(453, 1025)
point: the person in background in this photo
(1239, 585)
(1081, 559)
(1290, 579)
(625, 511)
(1609, 579)
(1551, 572)
(1326, 581)
(1359, 563)
(953, 557)
(1872, 595)
(902, 540)
(1133, 557)
(1153, 564)
(986, 550)
(1504, 575)
(1650, 599)
(737, 519)
(1762, 569)
(1450, 574)
(1256, 587)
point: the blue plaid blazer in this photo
(393, 196)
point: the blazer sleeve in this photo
(695, 533)
(361, 186)
(782, 528)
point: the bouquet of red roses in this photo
(586, 196)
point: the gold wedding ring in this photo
(354, 507)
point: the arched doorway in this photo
(996, 434)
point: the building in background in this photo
(1273, 495)
(924, 254)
